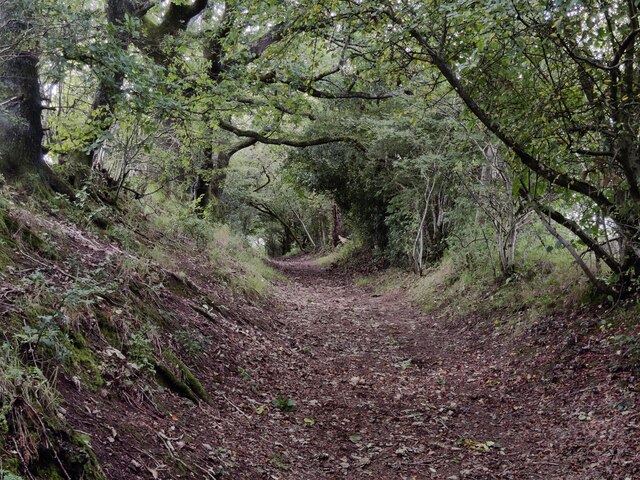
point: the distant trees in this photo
(557, 84)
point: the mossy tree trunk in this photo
(21, 129)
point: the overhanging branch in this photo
(553, 176)
(286, 141)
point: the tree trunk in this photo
(208, 187)
(21, 129)
(338, 225)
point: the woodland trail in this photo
(395, 394)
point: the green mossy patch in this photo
(72, 451)
(107, 329)
(84, 361)
(146, 310)
(179, 378)
(189, 378)
(178, 284)
(170, 380)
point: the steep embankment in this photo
(165, 368)
(126, 348)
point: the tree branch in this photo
(288, 142)
(264, 208)
(574, 228)
(553, 176)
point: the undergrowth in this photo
(341, 254)
(233, 260)
(545, 284)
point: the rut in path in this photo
(390, 393)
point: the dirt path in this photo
(389, 393)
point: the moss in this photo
(178, 284)
(189, 378)
(146, 310)
(6, 252)
(10, 465)
(100, 221)
(108, 331)
(8, 226)
(49, 471)
(170, 380)
(73, 451)
(85, 456)
(84, 359)
(11, 227)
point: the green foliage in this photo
(264, 201)
(340, 255)
(140, 349)
(6, 475)
(284, 403)
(25, 383)
(86, 291)
(47, 338)
(191, 343)
(462, 283)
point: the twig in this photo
(8, 101)
(22, 459)
(48, 267)
(235, 406)
(203, 312)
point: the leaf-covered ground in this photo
(396, 394)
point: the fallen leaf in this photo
(261, 409)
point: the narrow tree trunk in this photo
(337, 225)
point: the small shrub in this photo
(284, 403)
(46, 338)
(191, 343)
(86, 291)
(140, 349)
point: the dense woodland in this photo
(500, 139)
